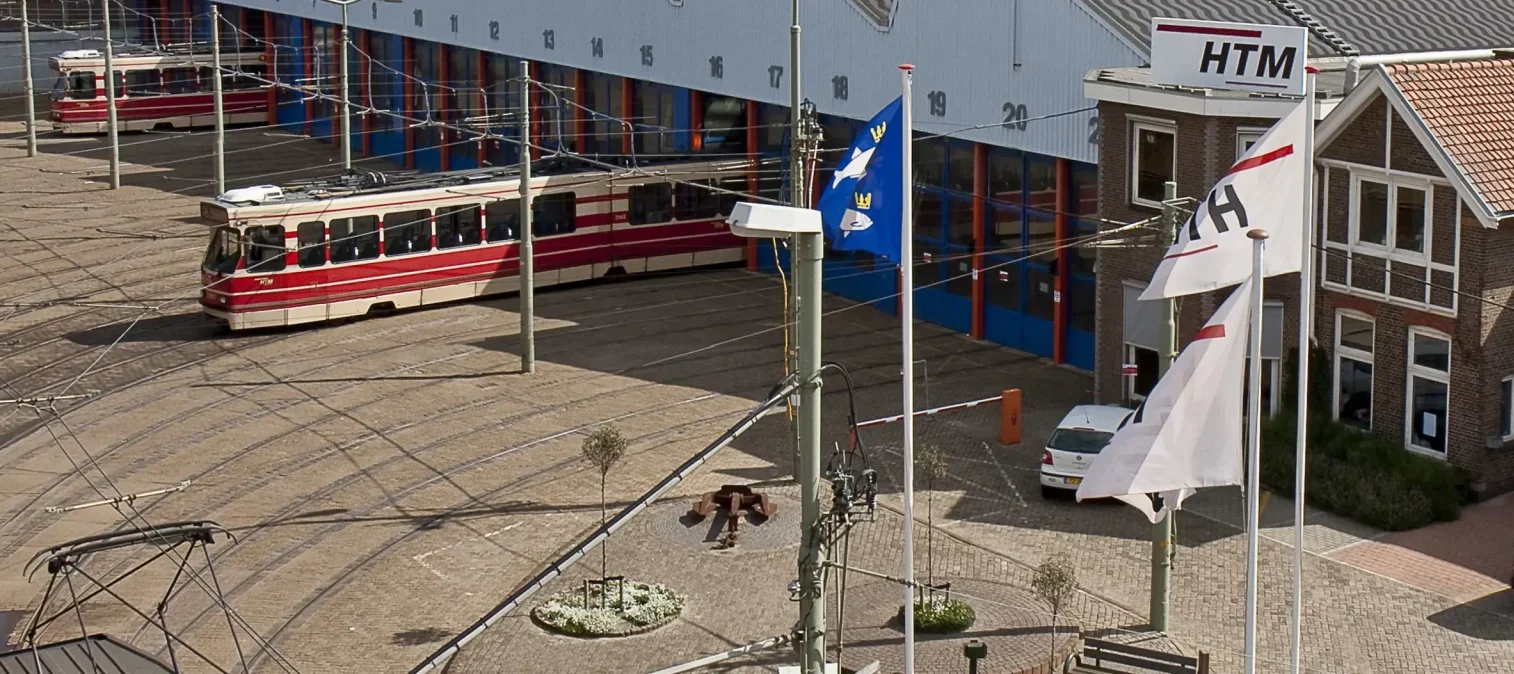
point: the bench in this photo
(1100, 652)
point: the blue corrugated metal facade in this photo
(998, 198)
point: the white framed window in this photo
(1429, 389)
(1153, 161)
(1245, 137)
(1506, 408)
(1354, 337)
(1272, 361)
(1391, 214)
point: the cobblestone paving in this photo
(390, 480)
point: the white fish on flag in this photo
(1188, 434)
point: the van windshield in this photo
(1078, 440)
(224, 252)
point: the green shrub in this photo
(940, 615)
(1361, 476)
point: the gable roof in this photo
(1468, 108)
(1357, 26)
(95, 654)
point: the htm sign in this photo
(1221, 55)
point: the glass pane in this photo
(959, 222)
(928, 215)
(1006, 175)
(312, 244)
(1427, 415)
(1078, 441)
(1353, 381)
(1372, 213)
(1043, 235)
(960, 167)
(1002, 288)
(725, 125)
(265, 249)
(503, 220)
(1154, 162)
(930, 162)
(407, 232)
(1041, 184)
(1084, 199)
(1356, 334)
(1432, 352)
(1409, 233)
(1505, 415)
(1004, 231)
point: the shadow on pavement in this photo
(1487, 618)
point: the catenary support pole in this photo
(110, 103)
(527, 263)
(796, 199)
(31, 91)
(346, 95)
(1253, 441)
(812, 553)
(220, 99)
(907, 337)
(1161, 532)
(1305, 336)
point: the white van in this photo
(1080, 436)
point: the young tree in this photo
(930, 466)
(603, 449)
(1055, 582)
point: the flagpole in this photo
(907, 336)
(1305, 336)
(1253, 441)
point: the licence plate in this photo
(1074, 480)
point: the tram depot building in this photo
(1054, 134)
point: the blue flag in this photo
(863, 204)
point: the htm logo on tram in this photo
(1236, 59)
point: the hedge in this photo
(1361, 476)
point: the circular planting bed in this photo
(940, 615)
(642, 607)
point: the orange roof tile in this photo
(1469, 108)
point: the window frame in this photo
(638, 197)
(1247, 134)
(1442, 377)
(455, 211)
(1137, 125)
(275, 262)
(301, 248)
(1390, 250)
(1506, 408)
(1367, 358)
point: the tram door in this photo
(312, 241)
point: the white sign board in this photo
(1223, 55)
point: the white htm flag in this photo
(1266, 188)
(1188, 434)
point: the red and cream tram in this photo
(155, 90)
(356, 244)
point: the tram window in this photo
(265, 249)
(407, 232)
(503, 220)
(143, 83)
(225, 249)
(81, 85)
(456, 226)
(651, 203)
(553, 214)
(696, 202)
(354, 239)
(247, 77)
(312, 241)
(725, 202)
(181, 80)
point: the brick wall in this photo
(1482, 334)
(1206, 148)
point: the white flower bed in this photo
(646, 607)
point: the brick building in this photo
(1415, 213)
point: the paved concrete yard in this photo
(390, 480)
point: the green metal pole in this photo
(1161, 532)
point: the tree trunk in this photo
(1053, 639)
(604, 548)
(930, 535)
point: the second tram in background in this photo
(367, 242)
(174, 89)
